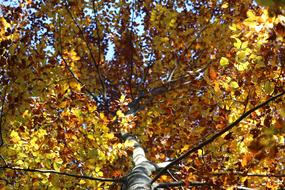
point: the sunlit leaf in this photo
(224, 61)
(234, 84)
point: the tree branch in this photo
(136, 105)
(3, 160)
(1, 115)
(5, 180)
(215, 136)
(244, 188)
(181, 183)
(71, 72)
(248, 174)
(77, 79)
(119, 180)
(90, 52)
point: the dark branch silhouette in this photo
(1, 115)
(90, 52)
(181, 183)
(248, 174)
(118, 180)
(215, 136)
(72, 73)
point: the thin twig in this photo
(1, 115)
(99, 48)
(4, 161)
(131, 58)
(215, 136)
(248, 174)
(174, 178)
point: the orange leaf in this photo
(212, 73)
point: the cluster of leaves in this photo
(73, 71)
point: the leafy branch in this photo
(119, 180)
(215, 136)
(71, 72)
(90, 51)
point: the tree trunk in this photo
(139, 177)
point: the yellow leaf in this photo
(185, 147)
(238, 43)
(200, 152)
(20, 162)
(102, 116)
(63, 104)
(100, 174)
(129, 143)
(250, 14)
(233, 27)
(91, 108)
(75, 86)
(241, 55)
(91, 137)
(15, 136)
(72, 55)
(109, 135)
(122, 98)
(64, 88)
(76, 112)
(224, 61)
(42, 133)
(4, 24)
(26, 114)
(244, 45)
(164, 177)
(34, 143)
(281, 140)
(120, 113)
(225, 5)
(98, 171)
(56, 166)
(50, 155)
(242, 66)
(172, 24)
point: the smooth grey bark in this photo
(139, 177)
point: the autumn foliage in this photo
(75, 75)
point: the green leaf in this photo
(268, 87)
(234, 84)
(242, 66)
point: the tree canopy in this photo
(142, 94)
